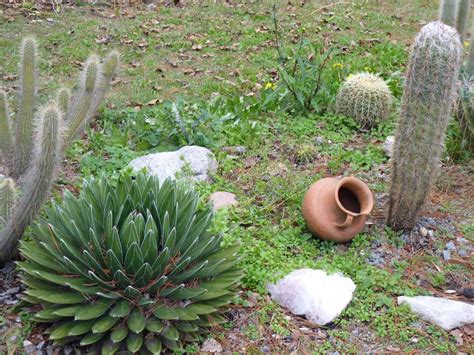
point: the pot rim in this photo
(362, 186)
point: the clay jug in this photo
(336, 209)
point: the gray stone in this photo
(192, 162)
(211, 346)
(319, 140)
(463, 252)
(446, 255)
(28, 347)
(447, 314)
(388, 145)
(220, 199)
(450, 246)
(240, 149)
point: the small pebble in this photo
(463, 253)
(240, 149)
(319, 140)
(423, 231)
(446, 255)
(28, 347)
(450, 246)
(265, 349)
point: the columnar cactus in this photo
(470, 58)
(365, 97)
(464, 11)
(448, 12)
(33, 165)
(425, 111)
(465, 113)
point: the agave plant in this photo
(132, 267)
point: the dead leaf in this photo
(103, 40)
(9, 77)
(143, 44)
(197, 47)
(153, 102)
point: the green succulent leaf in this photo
(154, 325)
(171, 333)
(93, 311)
(119, 334)
(57, 297)
(81, 327)
(91, 338)
(109, 347)
(104, 324)
(121, 309)
(136, 321)
(61, 331)
(134, 342)
(154, 345)
(165, 312)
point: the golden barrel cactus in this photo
(365, 97)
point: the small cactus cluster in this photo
(32, 143)
(429, 93)
(365, 97)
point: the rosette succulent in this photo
(366, 98)
(130, 267)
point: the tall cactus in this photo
(425, 111)
(448, 12)
(24, 120)
(470, 58)
(463, 14)
(34, 165)
(38, 180)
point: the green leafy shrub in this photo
(303, 73)
(130, 267)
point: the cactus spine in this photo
(448, 12)
(34, 165)
(7, 200)
(425, 111)
(24, 119)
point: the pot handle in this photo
(347, 222)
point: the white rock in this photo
(211, 346)
(193, 162)
(317, 295)
(445, 313)
(388, 145)
(220, 199)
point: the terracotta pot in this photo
(336, 209)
